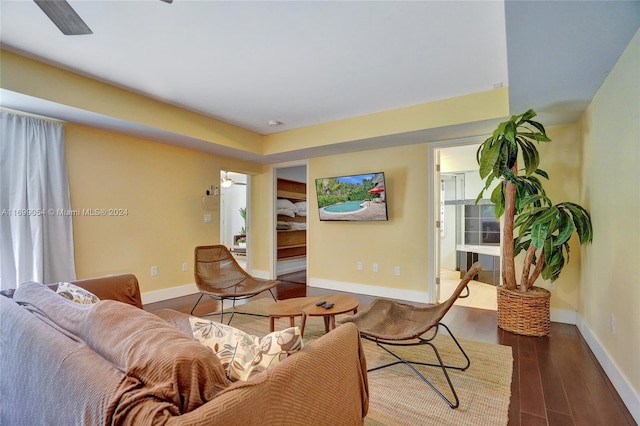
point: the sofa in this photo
(113, 363)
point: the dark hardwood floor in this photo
(556, 379)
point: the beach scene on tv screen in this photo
(352, 198)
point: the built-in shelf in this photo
(291, 243)
(292, 246)
(293, 196)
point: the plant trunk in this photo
(536, 272)
(528, 261)
(508, 261)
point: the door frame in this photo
(433, 207)
(217, 191)
(274, 195)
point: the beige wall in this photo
(403, 241)
(611, 173)
(160, 186)
(561, 159)
(335, 247)
(261, 224)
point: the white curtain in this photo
(36, 233)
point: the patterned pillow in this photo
(76, 294)
(241, 354)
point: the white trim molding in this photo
(261, 274)
(180, 291)
(565, 316)
(629, 396)
(370, 290)
(288, 266)
(168, 293)
(557, 315)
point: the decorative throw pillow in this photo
(241, 354)
(76, 294)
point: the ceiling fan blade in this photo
(63, 15)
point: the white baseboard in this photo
(371, 290)
(261, 274)
(557, 315)
(289, 266)
(565, 316)
(629, 396)
(168, 293)
(179, 291)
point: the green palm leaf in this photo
(582, 221)
(540, 228)
(565, 227)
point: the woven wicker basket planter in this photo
(524, 313)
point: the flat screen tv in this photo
(359, 197)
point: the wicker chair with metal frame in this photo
(219, 276)
(390, 323)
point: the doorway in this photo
(290, 227)
(468, 232)
(233, 214)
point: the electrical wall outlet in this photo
(375, 267)
(396, 271)
(359, 266)
(612, 324)
(154, 271)
(185, 267)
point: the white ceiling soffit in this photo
(20, 102)
(305, 63)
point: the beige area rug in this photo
(399, 397)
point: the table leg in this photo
(326, 323)
(272, 325)
(333, 322)
(304, 320)
(292, 321)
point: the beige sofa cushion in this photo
(171, 366)
(49, 379)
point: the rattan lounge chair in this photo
(219, 276)
(390, 323)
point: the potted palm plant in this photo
(532, 223)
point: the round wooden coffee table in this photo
(299, 306)
(290, 308)
(342, 303)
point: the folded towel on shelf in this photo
(301, 207)
(297, 225)
(282, 225)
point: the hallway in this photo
(481, 295)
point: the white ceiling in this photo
(304, 63)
